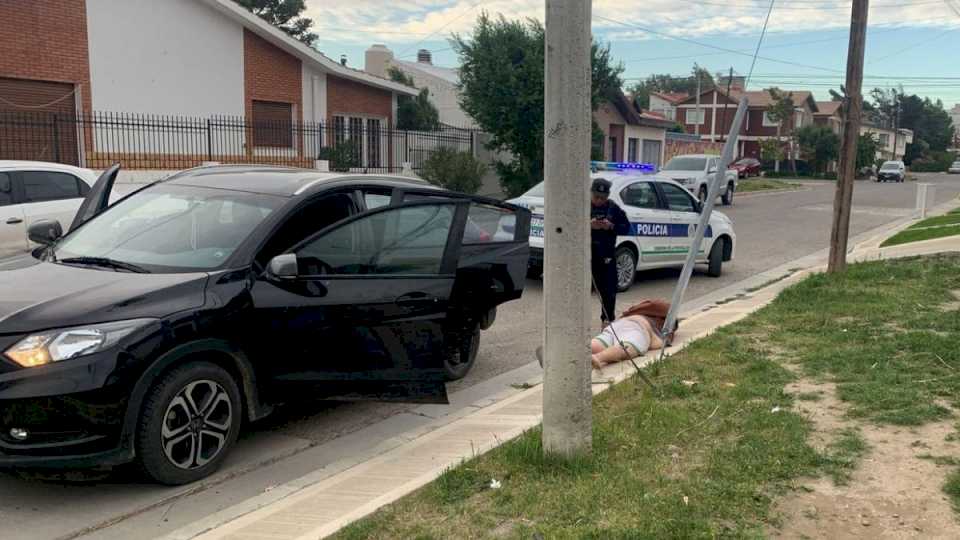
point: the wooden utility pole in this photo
(567, 391)
(840, 232)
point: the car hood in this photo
(675, 175)
(38, 295)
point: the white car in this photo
(33, 190)
(894, 171)
(693, 171)
(954, 168)
(663, 217)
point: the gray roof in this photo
(451, 75)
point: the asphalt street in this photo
(772, 230)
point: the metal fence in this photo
(143, 141)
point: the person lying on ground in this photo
(625, 338)
(637, 331)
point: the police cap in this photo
(601, 186)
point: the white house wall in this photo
(173, 57)
(443, 95)
(314, 107)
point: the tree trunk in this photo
(776, 164)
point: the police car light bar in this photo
(621, 166)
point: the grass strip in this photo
(709, 452)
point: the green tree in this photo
(285, 15)
(662, 82)
(780, 111)
(819, 145)
(414, 113)
(867, 147)
(501, 87)
(771, 150)
(454, 170)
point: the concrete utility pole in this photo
(567, 392)
(851, 133)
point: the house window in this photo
(373, 142)
(884, 139)
(769, 122)
(799, 120)
(695, 117)
(632, 147)
(363, 136)
(272, 124)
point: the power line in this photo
(709, 46)
(753, 63)
(442, 28)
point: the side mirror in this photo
(712, 170)
(45, 231)
(283, 266)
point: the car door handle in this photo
(415, 299)
(14, 221)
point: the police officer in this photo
(607, 221)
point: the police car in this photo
(663, 217)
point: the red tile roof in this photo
(672, 97)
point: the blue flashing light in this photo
(622, 166)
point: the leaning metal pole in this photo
(725, 158)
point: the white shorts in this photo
(630, 332)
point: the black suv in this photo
(158, 324)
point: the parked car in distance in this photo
(693, 172)
(33, 190)
(954, 168)
(746, 167)
(663, 217)
(894, 171)
(151, 331)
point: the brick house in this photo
(717, 109)
(629, 134)
(206, 60)
(665, 103)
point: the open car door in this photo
(98, 198)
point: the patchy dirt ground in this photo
(893, 492)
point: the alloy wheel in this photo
(196, 424)
(626, 270)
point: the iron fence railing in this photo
(146, 141)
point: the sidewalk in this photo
(316, 509)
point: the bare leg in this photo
(612, 355)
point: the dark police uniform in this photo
(603, 246)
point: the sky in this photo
(915, 43)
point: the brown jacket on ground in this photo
(656, 311)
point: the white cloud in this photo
(409, 21)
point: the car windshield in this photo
(535, 191)
(686, 164)
(890, 166)
(168, 228)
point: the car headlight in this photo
(58, 345)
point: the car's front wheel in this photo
(715, 262)
(463, 354)
(727, 197)
(626, 268)
(190, 420)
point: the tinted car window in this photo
(677, 198)
(172, 228)
(49, 186)
(685, 164)
(487, 223)
(409, 240)
(640, 195)
(6, 189)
